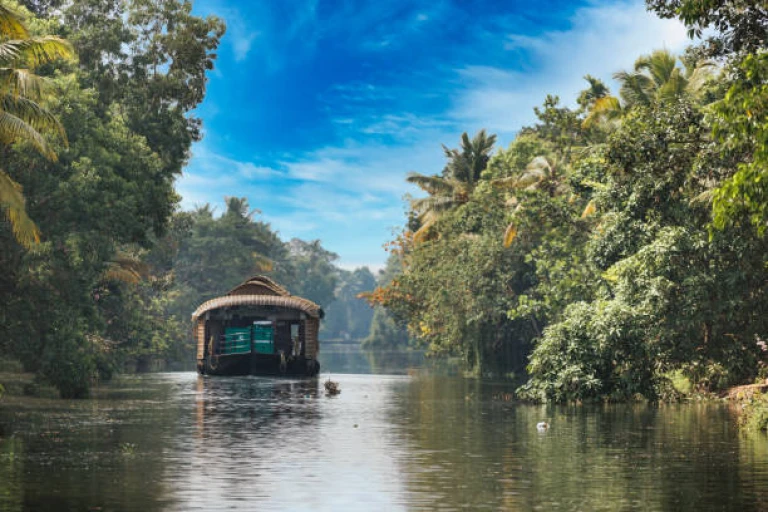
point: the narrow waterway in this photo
(405, 441)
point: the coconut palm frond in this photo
(437, 204)
(14, 207)
(594, 184)
(605, 108)
(540, 163)
(12, 129)
(22, 83)
(33, 114)
(674, 87)
(697, 78)
(661, 65)
(34, 52)
(122, 275)
(530, 179)
(563, 189)
(509, 182)
(11, 25)
(636, 88)
(430, 184)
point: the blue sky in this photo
(318, 109)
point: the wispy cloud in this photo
(242, 42)
(601, 40)
(381, 85)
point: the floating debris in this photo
(542, 426)
(332, 388)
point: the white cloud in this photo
(601, 40)
(210, 161)
(242, 43)
(350, 194)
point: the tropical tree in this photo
(739, 25)
(655, 78)
(22, 117)
(456, 183)
(542, 174)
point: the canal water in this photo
(396, 438)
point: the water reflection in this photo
(482, 450)
(419, 442)
(344, 358)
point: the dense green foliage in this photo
(108, 274)
(71, 304)
(754, 415)
(614, 244)
(385, 333)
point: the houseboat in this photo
(258, 328)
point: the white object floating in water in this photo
(542, 426)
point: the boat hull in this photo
(258, 364)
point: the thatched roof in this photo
(259, 285)
(260, 291)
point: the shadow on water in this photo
(387, 442)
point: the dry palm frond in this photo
(126, 268)
(425, 232)
(509, 235)
(22, 83)
(13, 205)
(589, 210)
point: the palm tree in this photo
(22, 118)
(656, 78)
(454, 187)
(541, 174)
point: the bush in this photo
(597, 352)
(755, 413)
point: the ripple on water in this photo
(183, 442)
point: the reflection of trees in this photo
(78, 455)
(753, 454)
(394, 362)
(343, 358)
(11, 474)
(466, 448)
